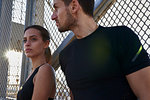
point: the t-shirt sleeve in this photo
(132, 55)
(61, 62)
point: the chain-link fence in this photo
(21, 13)
(132, 13)
(12, 18)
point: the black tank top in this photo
(26, 91)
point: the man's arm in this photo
(139, 82)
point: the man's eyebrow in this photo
(51, 5)
(54, 5)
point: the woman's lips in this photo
(28, 50)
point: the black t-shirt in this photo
(95, 66)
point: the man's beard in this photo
(69, 22)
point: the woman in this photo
(40, 85)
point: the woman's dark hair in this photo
(45, 36)
(44, 33)
(87, 5)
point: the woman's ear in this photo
(46, 44)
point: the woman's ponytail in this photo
(48, 55)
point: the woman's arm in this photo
(44, 83)
(71, 95)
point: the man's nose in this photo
(54, 16)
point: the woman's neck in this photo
(36, 62)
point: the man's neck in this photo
(85, 27)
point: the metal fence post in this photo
(0, 7)
(26, 63)
(5, 31)
(39, 17)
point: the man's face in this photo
(62, 16)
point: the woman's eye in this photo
(24, 41)
(33, 39)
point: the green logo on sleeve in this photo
(139, 51)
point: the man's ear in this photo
(74, 6)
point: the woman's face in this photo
(34, 46)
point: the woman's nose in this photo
(27, 43)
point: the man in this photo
(102, 63)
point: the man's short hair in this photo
(87, 5)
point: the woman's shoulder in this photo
(45, 74)
(45, 68)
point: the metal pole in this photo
(5, 31)
(0, 12)
(39, 18)
(0, 7)
(26, 63)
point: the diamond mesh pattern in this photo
(133, 13)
